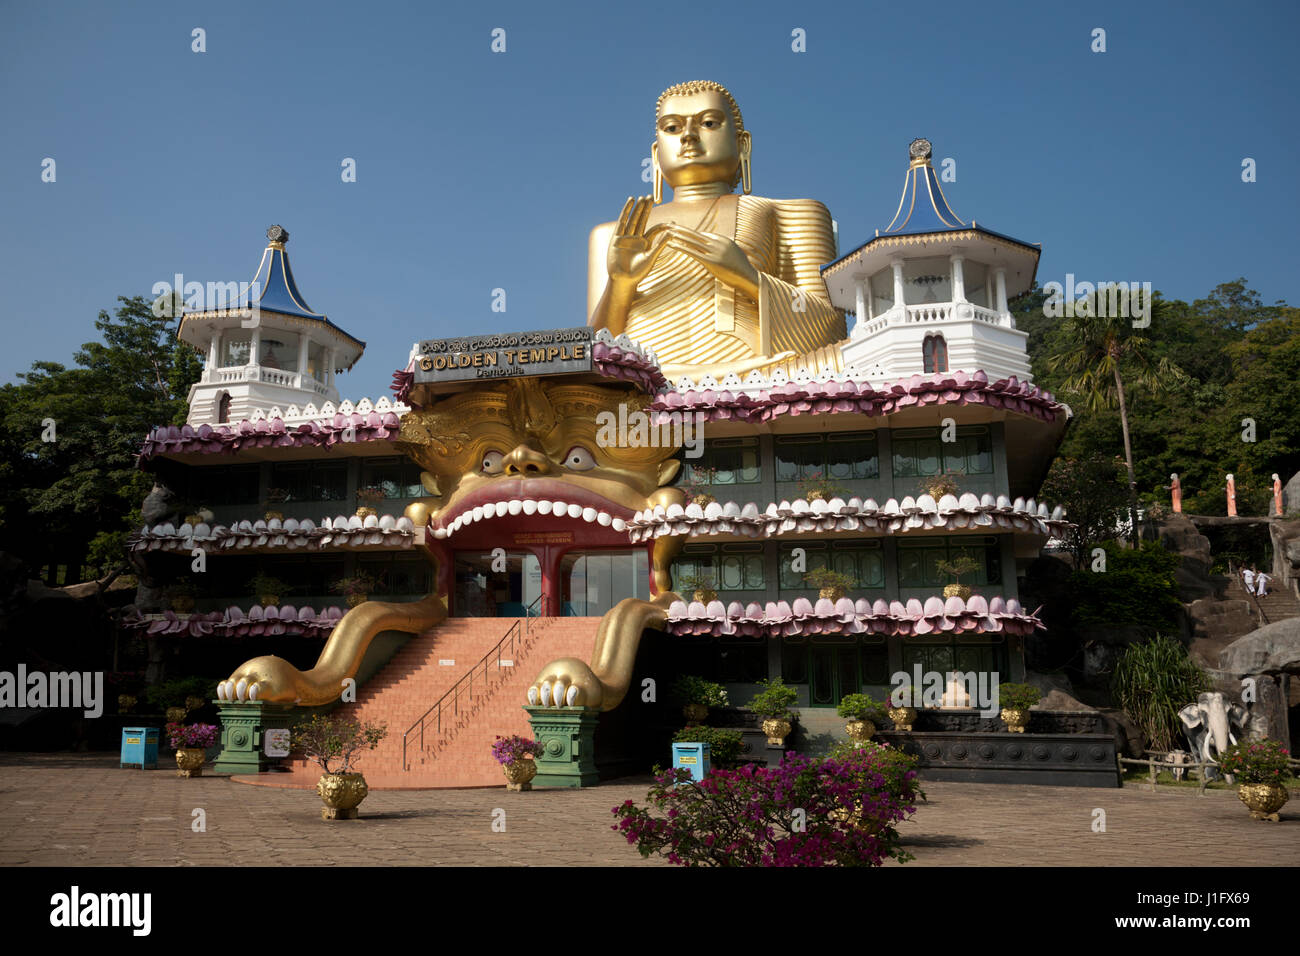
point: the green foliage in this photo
(1094, 494)
(861, 707)
(775, 700)
(336, 739)
(689, 582)
(956, 568)
(263, 583)
(1018, 696)
(724, 743)
(172, 693)
(1152, 683)
(1137, 587)
(897, 767)
(1256, 761)
(690, 689)
(826, 578)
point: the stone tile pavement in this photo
(81, 809)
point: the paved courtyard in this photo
(81, 809)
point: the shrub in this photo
(690, 689)
(835, 811)
(327, 739)
(1018, 696)
(724, 744)
(775, 700)
(820, 484)
(1138, 587)
(172, 693)
(1152, 683)
(861, 707)
(263, 583)
(826, 578)
(506, 750)
(1256, 761)
(898, 768)
(192, 735)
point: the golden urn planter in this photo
(860, 731)
(194, 520)
(269, 600)
(126, 703)
(705, 595)
(364, 512)
(703, 500)
(956, 590)
(1015, 719)
(831, 594)
(695, 713)
(182, 604)
(815, 496)
(519, 773)
(357, 599)
(1263, 799)
(193, 703)
(190, 761)
(273, 516)
(903, 717)
(176, 715)
(777, 729)
(341, 793)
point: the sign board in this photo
(275, 743)
(505, 663)
(549, 352)
(446, 663)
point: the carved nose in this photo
(524, 462)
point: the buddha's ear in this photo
(668, 471)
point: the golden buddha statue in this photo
(715, 282)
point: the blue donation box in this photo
(694, 757)
(140, 747)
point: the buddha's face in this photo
(697, 139)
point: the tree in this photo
(1093, 492)
(1098, 352)
(84, 483)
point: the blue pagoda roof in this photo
(279, 291)
(923, 207)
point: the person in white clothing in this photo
(1261, 584)
(1248, 575)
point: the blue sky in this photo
(478, 170)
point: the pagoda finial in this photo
(920, 151)
(278, 234)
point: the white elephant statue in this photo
(1212, 724)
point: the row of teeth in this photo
(528, 506)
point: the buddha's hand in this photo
(718, 254)
(633, 248)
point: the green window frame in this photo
(735, 461)
(918, 452)
(864, 561)
(311, 480)
(918, 560)
(843, 456)
(733, 567)
(398, 477)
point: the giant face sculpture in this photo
(530, 445)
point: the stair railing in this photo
(516, 637)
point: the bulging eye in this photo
(578, 458)
(491, 464)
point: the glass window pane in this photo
(927, 456)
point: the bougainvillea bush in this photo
(1256, 761)
(181, 736)
(506, 750)
(834, 811)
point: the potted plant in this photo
(697, 695)
(516, 755)
(180, 595)
(902, 707)
(773, 703)
(1261, 765)
(699, 584)
(831, 585)
(337, 741)
(697, 487)
(863, 713)
(191, 743)
(367, 499)
(268, 589)
(962, 565)
(936, 486)
(818, 486)
(274, 497)
(1016, 699)
(357, 587)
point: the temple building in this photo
(537, 523)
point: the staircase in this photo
(1275, 606)
(487, 705)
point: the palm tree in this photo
(1097, 351)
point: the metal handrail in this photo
(454, 692)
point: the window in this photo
(954, 654)
(312, 481)
(918, 561)
(862, 561)
(396, 477)
(235, 349)
(918, 452)
(731, 567)
(934, 353)
(400, 575)
(842, 455)
(237, 485)
(834, 669)
(734, 462)
(316, 361)
(223, 408)
(279, 350)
